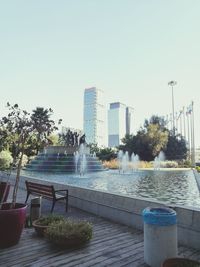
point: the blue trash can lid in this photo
(159, 216)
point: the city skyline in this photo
(50, 52)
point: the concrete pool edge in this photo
(197, 177)
(128, 210)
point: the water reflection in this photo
(173, 187)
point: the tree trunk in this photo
(14, 197)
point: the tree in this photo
(141, 146)
(176, 148)
(42, 125)
(4, 137)
(93, 148)
(148, 141)
(128, 143)
(22, 126)
(106, 153)
(54, 139)
(155, 119)
(157, 139)
(5, 160)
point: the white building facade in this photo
(94, 116)
(197, 156)
(129, 120)
(120, 123)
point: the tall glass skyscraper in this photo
(94, 116)
(120, 123)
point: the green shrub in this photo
(185, 163)
(5, 160)
(146, 164)
(47, 220)
(169, 164)
(69, 233)
(198, 168)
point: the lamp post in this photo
(172, 84)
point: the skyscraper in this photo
(120, 119)
(94, 116)
(129, 120)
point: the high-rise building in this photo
(94, 116)
(120, 119)
(129, 120)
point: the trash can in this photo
(35, 210)
(160, 235)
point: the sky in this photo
(50, 51)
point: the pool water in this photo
(170, 186)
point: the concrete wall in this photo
(128, 210)
(197, 177)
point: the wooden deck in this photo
(112, 245)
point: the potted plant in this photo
(43, 223)
(18, 130)
(69, 233)
(180, 262)
(5, 163)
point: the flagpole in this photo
(193, 143)
(180, 116)
(188, 134)
(184, 123)
(176, 124)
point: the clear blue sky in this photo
(51, 50)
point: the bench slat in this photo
(38, 186)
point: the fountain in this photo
(125, 163)
(166, 185)
(82, 161)
(135, 161)
(83, 164)
(65, 159)
(156, 164)
(119, 159)
(158, 160)
(76, 158)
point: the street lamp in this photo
(172, 84)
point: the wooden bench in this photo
(46, 191)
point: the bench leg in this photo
(53, 206)
(66, 207)
(27, 196)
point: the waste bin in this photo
(35, 210)
(160, 235)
